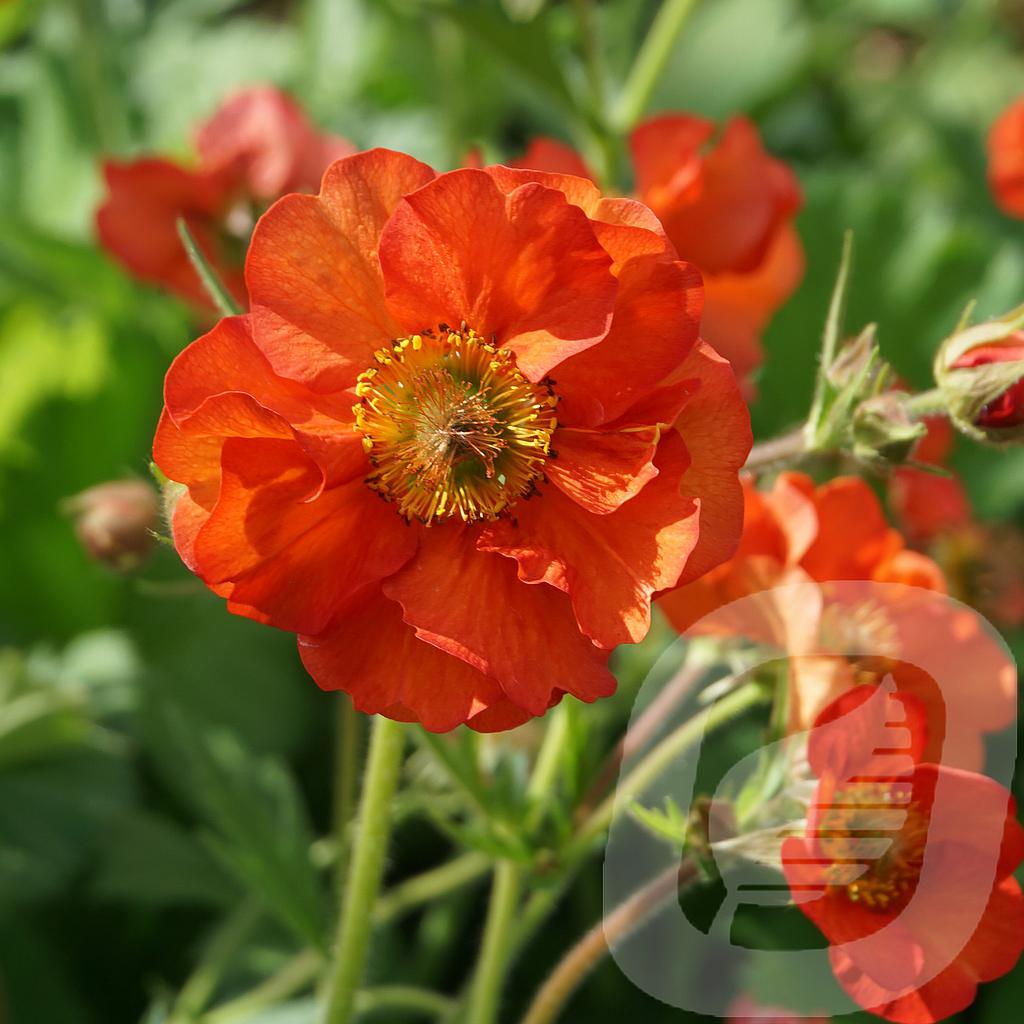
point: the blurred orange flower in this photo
(927, 504)
(1006, 159)
(907, 869)
(837, 531)
(728, 207)
(256, 147)
(466, 432)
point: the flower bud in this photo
(980, 371)
(114, 522)
(883, 431)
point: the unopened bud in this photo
(114, 522)
(980, 370)
(884, 431)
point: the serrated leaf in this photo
(257, 824)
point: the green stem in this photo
(404, 997)
(541, 787)
(485, 992)
(215, 288)
(295, 975)
(650, 62)
(346, 767)
(430, 886)
(203, 982)
(927, 403)
(787, 448)
(367, 866)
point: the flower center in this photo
(451, 427)
(875, 813)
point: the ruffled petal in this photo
(375, 657)
(624, 227)
(226, 361)
(715, 426)
(525, 267)
(602, 470)
(610, 565)
(657, 315)
(291, 550)
(470, 604)
(318, 309)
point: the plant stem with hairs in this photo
(552, 996)
(369, 848)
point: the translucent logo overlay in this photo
(689, 784)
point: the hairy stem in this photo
(489, 978)
(367, 866)
(592, 948)
(787, 448)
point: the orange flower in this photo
(728, 207)
(440, 447)
(798, 531)
(928, 504)
(1006, 159)
(257, 147)
(906, 868)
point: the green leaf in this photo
(257, 824)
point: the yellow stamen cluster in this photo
(451, 427)
(878, 813)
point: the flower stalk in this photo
(367, 866)
(485, 992)
(215, 288)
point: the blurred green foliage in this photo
(163, 766)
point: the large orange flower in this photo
(726, 205)
(440, 447)
(256, 147)
(906, 867)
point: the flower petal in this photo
(291, 550)
(226, 361)
(715, 426)
(608, 564)
(525, 267)
(657, 314)
(318, 309)
(600, 470)
(469, 603)
(624, 227)
(375, 657)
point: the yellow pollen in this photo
(452, 427)
(877, 813)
